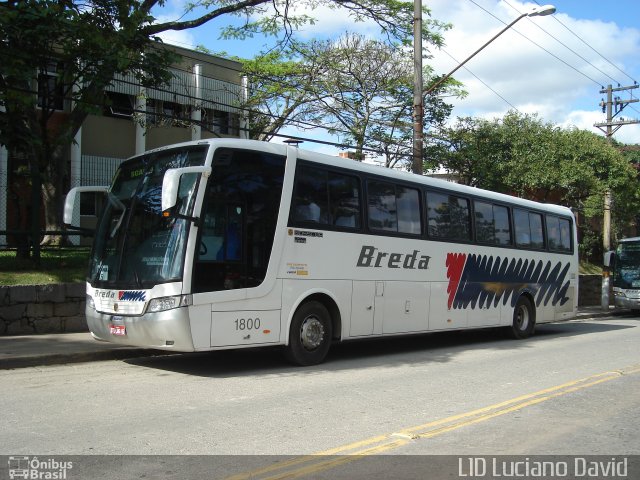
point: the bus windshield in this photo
(135, 246)
(627, 268)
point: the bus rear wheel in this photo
(524, 319)
(310, 334)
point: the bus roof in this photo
(629, 240)
(339, 162)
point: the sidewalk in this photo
(35, 350)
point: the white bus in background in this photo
(227, 243)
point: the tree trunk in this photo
(53, 199)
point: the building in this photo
(201, 101)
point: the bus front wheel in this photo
(524, 319)
(310, 334)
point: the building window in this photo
(50, 87)
(167, 114)
(118, 105)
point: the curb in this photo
(80, 357)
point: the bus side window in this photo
(502, 225)
(522, 227)
(559, 233)
(565, 235)
(408, 202)
(485, 222)
(394, 208)
(311, 199)
(344, 200)
(448, 216)
(381, 199)
(553, 232)
(528, 229)
(326, 198)
(537, 236)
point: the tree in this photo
(360, 89)
(52, 52)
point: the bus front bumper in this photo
(168, 330)
(621, 300)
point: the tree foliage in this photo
(521, 155)
(359, 89)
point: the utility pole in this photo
(418, 104)
(612, 107)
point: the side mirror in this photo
(71, 198)
(609, 259)
(171, 184)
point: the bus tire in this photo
(524, 319)
(310, 334)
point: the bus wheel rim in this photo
(522, 318)
(311, 332)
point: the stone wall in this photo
(590, 291)
(27, 309)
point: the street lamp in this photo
(417, 162)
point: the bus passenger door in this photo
(363, 307)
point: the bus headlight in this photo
(90, 303)
(167, 303)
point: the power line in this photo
(591, 47)
(563, 44)
(482, 81)
(538, 45)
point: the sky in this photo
(552, 66)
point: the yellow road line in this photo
(508, 406)
(327, 459)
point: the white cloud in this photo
(174, 11)
(586, 120)
(181, 38)
(526, 75)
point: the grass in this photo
(587, 268)
(56, 266)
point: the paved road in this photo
(573, 389)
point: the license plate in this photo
(119, 330)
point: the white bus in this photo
(228, 243)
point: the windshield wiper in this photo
(137, 278)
